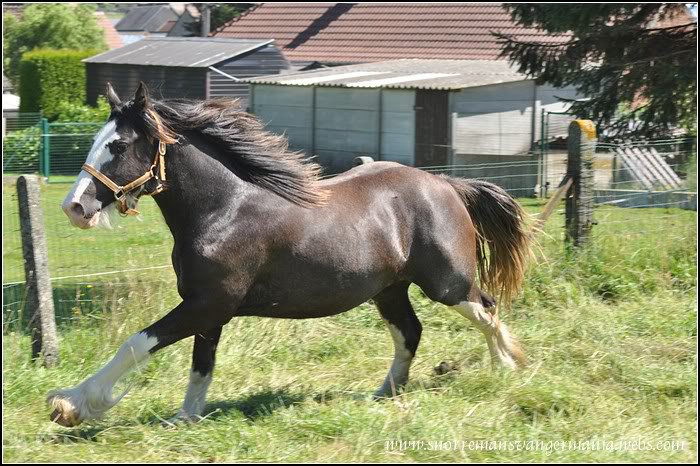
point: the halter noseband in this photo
(120, 192)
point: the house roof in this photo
(112, 37)
(403, 74)
(146, 18)
(191, 52)
(364, 32)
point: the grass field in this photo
(610, 334)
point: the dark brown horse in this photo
(257, 234)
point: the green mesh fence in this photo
(66, 149)
(55, 150)
(21, 145)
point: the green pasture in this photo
(610, 333)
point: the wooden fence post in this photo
(580, 197)
(39, 301)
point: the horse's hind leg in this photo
(203, 358)
(405, 329)
(481, 310)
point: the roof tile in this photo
(337, 32)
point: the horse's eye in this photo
(119, 147)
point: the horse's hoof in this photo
(63, 420)
(65, 412)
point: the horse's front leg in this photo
(93, 397)
(203, 359)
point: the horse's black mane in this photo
(260, 157)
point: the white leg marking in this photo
(195, 398)
(498, 337)
(93, 397)
(398, 373)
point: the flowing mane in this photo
(260, 157)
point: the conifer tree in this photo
(636, 62)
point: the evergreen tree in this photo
(636, 62)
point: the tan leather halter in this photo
(120, 192)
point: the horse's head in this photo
(123, 163)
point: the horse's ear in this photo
(112, 97)
(142, 98)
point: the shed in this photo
(416, 112)
(188, 67)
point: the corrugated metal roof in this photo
(363, 32)
(403, 74)
(191, 52)
(146, 18)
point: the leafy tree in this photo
(641, 57)
(49, 25)
(220, 14)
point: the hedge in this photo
(50, 77)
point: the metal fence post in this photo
(44, 168)
(580, 197)
(39, 302)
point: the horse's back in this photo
(365, 170)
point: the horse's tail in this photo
(503, 242)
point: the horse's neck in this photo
(198, 188)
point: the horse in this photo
(258, 232)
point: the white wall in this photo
(398, 126)
(501, 119)
(493, 120)
(285, 110)
(347, 122)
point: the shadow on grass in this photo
(255, 405)
(84, 433)
(252, 406)
(78, 435)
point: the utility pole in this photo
(206, 20)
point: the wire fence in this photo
(21, 144)
(20, 121)
(92, 271)
(56, 150)
(97, 271)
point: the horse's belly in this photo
(296, 298)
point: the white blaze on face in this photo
(99, 156)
